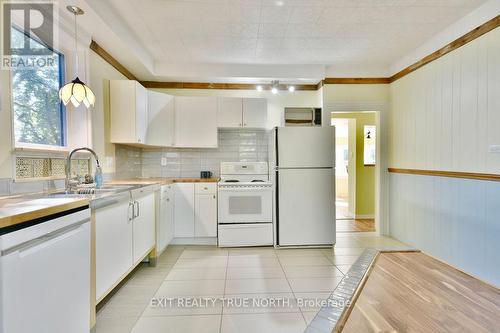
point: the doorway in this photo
(356, 137)
(345, 170)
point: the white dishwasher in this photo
(45, 275)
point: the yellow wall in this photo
(100, 74)
(365, 175)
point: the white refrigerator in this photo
(304, 159)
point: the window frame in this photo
(26, 146)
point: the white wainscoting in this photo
(445, 115)
(454, 220)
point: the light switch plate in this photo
(163, 161)
(494, 149)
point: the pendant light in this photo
(76, 91)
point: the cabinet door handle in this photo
(244, 124)
(205, 188)
(131, 211)
(214, 196)
(241, 124)
(136, 204)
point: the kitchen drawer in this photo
(248, 234)
(205, 188)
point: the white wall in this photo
(446, 114)
(100, 74)
(443, 117)
(454, 220)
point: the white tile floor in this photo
(208, 272)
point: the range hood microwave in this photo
(303, 116)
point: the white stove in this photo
(245, 199)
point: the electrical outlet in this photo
(163, 161)
(494, 149)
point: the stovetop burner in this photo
(257, 181)
(232, 181)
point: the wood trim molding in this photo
(356, 80)
(112, 61)
(459, 42)
(225, 86)
(450, 174)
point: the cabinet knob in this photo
(138, 140)
(168, 199)
(206, 188)
(244, 124)
(241, 124)
(214, 196)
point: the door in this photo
(141, 113)
(306, 207)
(184, 210)
(144, 225)
(302, 147)
(255, 112)
(45, 282)
(166, 223)
(345, 166)
(113, 244)
(245, 204)
(229, 112)
(196, 122)
(160, 130)
(205, 215)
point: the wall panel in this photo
(445, 115)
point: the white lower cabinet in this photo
(195, 211)
(124, 234)
(143, 225)
(113, 238)
(205, 222)
(165, 225)
(184, 210)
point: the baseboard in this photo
(194, 241)
(364, 216)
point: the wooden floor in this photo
(360, 225)
(412, 292)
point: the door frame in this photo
(381, 110)
(351, 176)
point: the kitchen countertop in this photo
(162, 181)
(26, 207)
(20, 209)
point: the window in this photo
(370, 145)
(39, 116)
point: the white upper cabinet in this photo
(196, 122)
(230, 112)
(160, 119)
(129, 116)
(254, 112)
(235, 112)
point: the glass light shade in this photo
(77, 92)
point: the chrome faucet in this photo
(68, 165)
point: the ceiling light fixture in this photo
(76, 91)
(259, 88)
(275, 86)
(291, 88)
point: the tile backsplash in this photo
(234, 145)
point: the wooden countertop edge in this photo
(8, 221)
(164, 181)
(450, 174)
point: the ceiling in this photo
(331, 33)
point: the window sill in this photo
(48, 149)
(30, 180)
